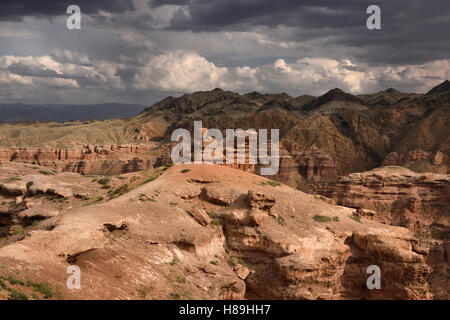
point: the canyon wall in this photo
(397, 196)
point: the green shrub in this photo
(174, 261)
(104, 181)
(14, 281)
(231, 261)
(29, 184)
(214, 262)
(16, 295)
(180, 279)
(185, 170)
(319, 218)
(45, 173)
(336, 218)
(355, 218)
(280, 221)
(150, 179)
(119, 191)
(41, 287)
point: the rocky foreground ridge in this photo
(194, 232)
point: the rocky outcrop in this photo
(420, 161)
(113, 159)
(400, 197)
(262, 241)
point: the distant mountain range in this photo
(19, 112)
(336, 131)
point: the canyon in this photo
(363, 180)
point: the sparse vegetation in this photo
(216, 221)
(280, 221)
(214, 262)
(16, 295)
(41, 287)
(104, 181)
(12, 179)
(246, 264)
(14, 281)
(119, 191)
(272, 183)
(174, 261)
(336, 218)
(143, 291)
(180, 279)
(231, 261)
(29, 184)
(355, 218)
(320, 218)
(185, 170)
(45, 173)
(150, 179)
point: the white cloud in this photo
(180, 71)
(188, 71)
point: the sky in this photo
(140, 51)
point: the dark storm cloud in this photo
(412, 31)
(16, 10)
(26, 70)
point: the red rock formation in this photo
(89, 159)
(398, 196)
(436, 162)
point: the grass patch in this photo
(14, 281)
(272, 183)
(246, 264)
(180, 279)
(355, 218)
(185, 170)
(320, 218)
(16, 295)
(174, 261)
(280, 221)
(143, 291)
(214, 262)
(336, 218)
(104, 181)
(45, 173)
(12, 179)
(29, 184)
(119, 191)
(41, 287)
(100, 198)
(216, 221)
(152, 178)
(232, 261)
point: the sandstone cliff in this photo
(400, 197)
